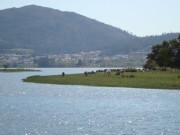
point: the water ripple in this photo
(28, 108)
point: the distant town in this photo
(82, 59)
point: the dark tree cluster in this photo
(164, 55)
(44, 62)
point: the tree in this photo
(80, 63)
(165, 55)
(179, 37)
(150, 64)
(6, 65)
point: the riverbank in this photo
(18, 70)
(153, 79)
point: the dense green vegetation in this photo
(154, 79)
(40, 31)
(17, 70)
(164, 55)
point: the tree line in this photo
(164, 55)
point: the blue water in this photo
(40, 109)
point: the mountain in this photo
(49, 31)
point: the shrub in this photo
(128, 76)
(130, 70)
(118, 73)
(163, 69)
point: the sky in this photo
(138, 17)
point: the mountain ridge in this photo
(51, 31)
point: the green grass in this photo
(17, 70)
(155, 80)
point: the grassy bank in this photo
(17, 70)
(159, 80)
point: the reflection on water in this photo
(28, 108)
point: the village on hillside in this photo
(82, 59)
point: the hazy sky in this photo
(141, 17)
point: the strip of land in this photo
(154, 80)
(18, 70)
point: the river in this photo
(40, 109)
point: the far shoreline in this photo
(10, 70)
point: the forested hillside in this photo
(48, 31)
